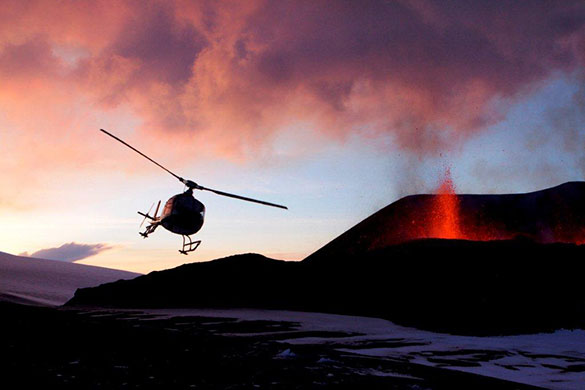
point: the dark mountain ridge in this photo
(458, 286)
(467, 287)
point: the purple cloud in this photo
(69, 252)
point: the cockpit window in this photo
(168, 207)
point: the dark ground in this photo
(73, 349)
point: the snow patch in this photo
(49, 282)
(286, 354)
(549, 360)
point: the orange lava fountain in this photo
(445, 219)
(546, 216)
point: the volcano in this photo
(526, 279)
(552, 215)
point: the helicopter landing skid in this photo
(189, 245)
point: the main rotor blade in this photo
(190, 183)
(142, 154)
(241, 197)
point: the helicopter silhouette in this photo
(182, 213)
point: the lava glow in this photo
(553, 215)
(445, 211)
(445, 218)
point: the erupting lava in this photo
(552, 215)
(445, 212)
(446, 218)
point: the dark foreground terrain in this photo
(99, 349)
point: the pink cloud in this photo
(385, 66)
(231, 75)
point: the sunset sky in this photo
(333, 108)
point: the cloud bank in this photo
(232, 75)
(69, 252)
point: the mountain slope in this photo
(552, 215)
(49, 282)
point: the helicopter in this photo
(182, 214)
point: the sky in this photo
(333, 108)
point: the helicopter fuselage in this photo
(183, 214)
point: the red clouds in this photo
(234, 73)
(417, 70)
(403, 68)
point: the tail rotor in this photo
(146, 215)
(156, 210)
